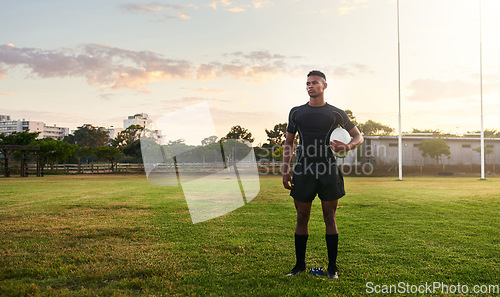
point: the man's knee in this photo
(303, 212)
(329, 217)
(329, 214)
(302, 217)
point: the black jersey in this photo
(314, 125)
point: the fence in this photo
(92, 168)
(264, 168)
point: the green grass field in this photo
(113, 235)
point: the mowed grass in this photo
(111, 235)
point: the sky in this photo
(96, 62)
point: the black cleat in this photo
(332, 274)
(296, 270)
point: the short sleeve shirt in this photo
(314, 125)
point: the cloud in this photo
(335, 71)
(6, 94)
(158, 10)
(206, 90)
(255, 65)
(228, 6)
(348, 70)
(236, 9)
(428, 90)
(343, 10)
(108, 67)
(348, 6)
(261, 3)
(3, 72)
(221, 3)
(213, 5)
(183, 16)
(256, 56)
(101, 65)
(146, 8)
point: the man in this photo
(316, 172)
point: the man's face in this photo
(315, 86)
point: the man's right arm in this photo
(287, 157)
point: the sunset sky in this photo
(74, 62)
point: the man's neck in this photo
(317, 101)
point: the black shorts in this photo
(322, 179)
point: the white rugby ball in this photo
(340, 134)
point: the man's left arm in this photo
(357, 138)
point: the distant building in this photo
(8, 126)
(383, 150)
(113, 132)
(54, 132)
(4, 118)
(141, 119)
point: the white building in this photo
(54, 132)
(8, 126)
(113, 132)
(141, 119)
(383, 150)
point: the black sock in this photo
(332, 243)
(300, 250)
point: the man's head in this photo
(317, 73)
(316, 83)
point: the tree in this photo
(434, 148)
(134, 150)
(128, 141)
(488, 149)
(127, 136)
(53, 151)
(277, 135)
(108, 153)
(18, 138)
(278, 154)
(88, 135)
(179, 141)
(488, 133)
(175, 148)
(209, 140)
(351, 117)
(435, 131)
(373, 128)
(83, 152)
(369, 127)
(238, 132)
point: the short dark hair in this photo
(318, 73)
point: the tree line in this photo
(87, 144)
(90, 143)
